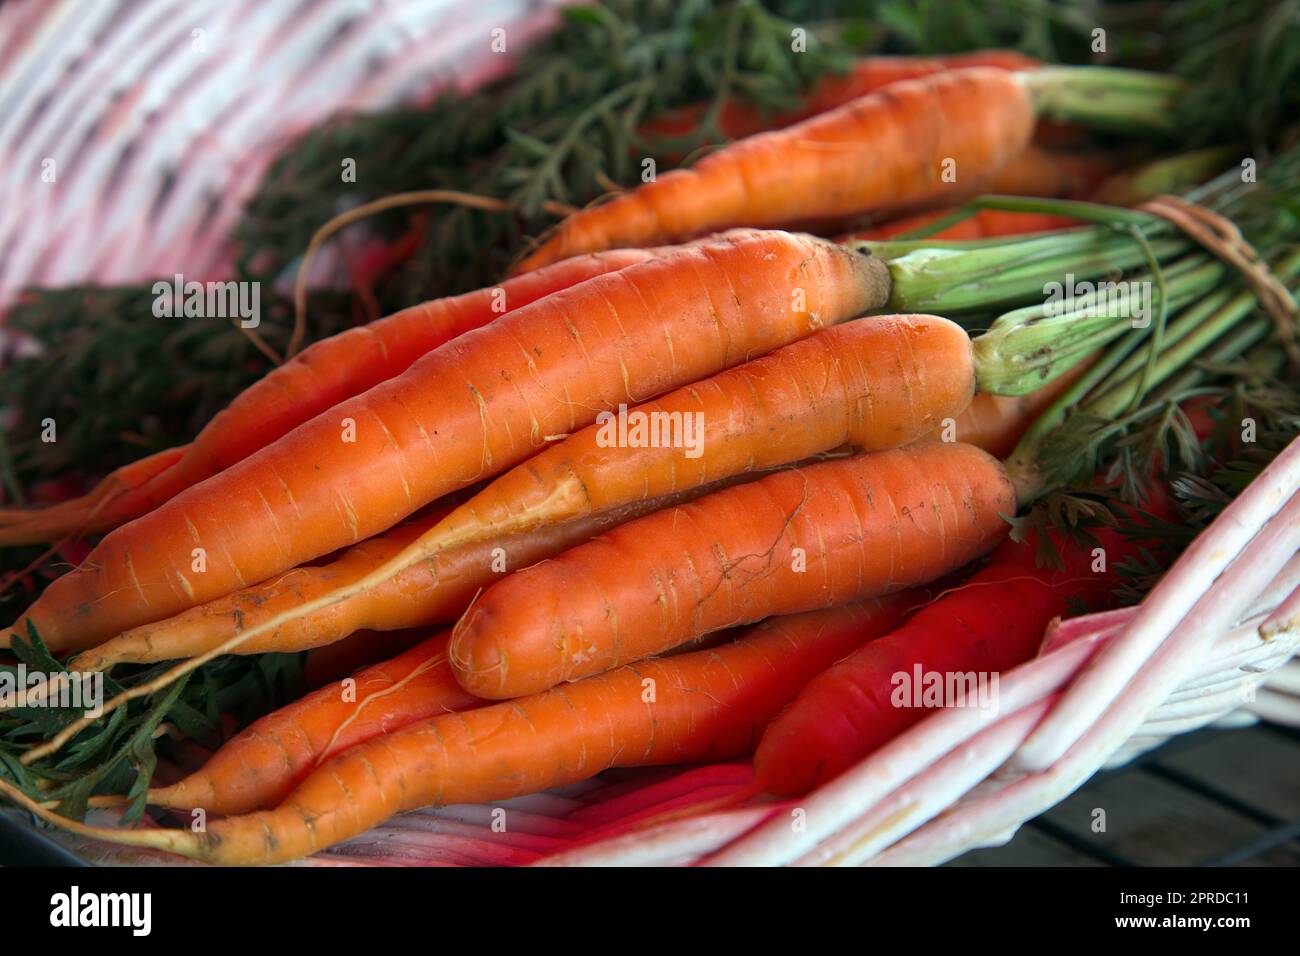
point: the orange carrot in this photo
(463, 412)
(431, 592)
(122, 481)
(991, 623)
(875, 383)
(314, 380)
(888, 149)
(801, 539)
(262, 764)
(867, 75)
(702, 706)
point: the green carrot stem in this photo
(1182, 384)
(1233, 345)
(1106, 98)
(1216, 329)
(1118, 361)
(1026, 348)
(1229, 302)
(1191, 347)
(1080, 209)
(1162, 312)
(952, 277)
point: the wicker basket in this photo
(161, 116)
(959, 779)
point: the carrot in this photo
(989, 624)
(465, 411)
(867, 75)
(871, 384)
(801, 539)
(996, 423)
(316, 379)
(122, 481)
(888, 149)
(262, 764)
(435, 591)
(702, 706)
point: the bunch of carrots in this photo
(458, 472)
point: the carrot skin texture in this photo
(806, 538)
(432, 592)
(261, 765)
(318, 378)
(867, 75)
(875, 383)
(465, 411)
(879, 151)
(702, 706)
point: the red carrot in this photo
(989, 624)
